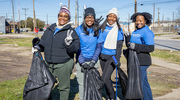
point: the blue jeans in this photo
(145, 85)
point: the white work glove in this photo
(35, 49)
(68, 40)
(131, 45)
(126, 32)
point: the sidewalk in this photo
(168, 37)
(175, 94)
(165, 64)
(15, 36)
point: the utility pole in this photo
(34, 17)
(47, 21)
(162, 19)
(173, 22)
(173, 17)
(135, 11)
(84, 11)
(135, 6)
(25, 16)
(153, 13)
(19, 18)
(158, 17)
(69, 4)
(13, 16)
(128, 22)
(76, 15)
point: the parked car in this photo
(178, 31)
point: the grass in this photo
(23, 42)
(164, 34)
(161, 88)
(171, 56)
(13, 89)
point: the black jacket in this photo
(54, 47)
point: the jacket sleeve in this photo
(75, 45)
(119, 49)
(81, 58)
(42, 41)
(97, 51)
(143, 48)
(127, 39)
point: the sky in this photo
(47, 10)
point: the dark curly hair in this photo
(146, 15)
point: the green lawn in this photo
(12, 90)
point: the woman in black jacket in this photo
(142, 41)
(59, 43)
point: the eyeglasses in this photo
(66, 17)
(89, 17)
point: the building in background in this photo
(2, 25)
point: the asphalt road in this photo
(167, 44)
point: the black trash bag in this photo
(40, 81)
(92, 84)
(123, 80)
(134, 86)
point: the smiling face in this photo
(140, 21)
(89, 20)
(63, 18)
(111, 18)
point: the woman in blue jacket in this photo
(90, 46)
(112, 45)
(142, 41)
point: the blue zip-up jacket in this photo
(144, 43)
(90, 45)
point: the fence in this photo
(169, 29)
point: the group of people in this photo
(94, 45)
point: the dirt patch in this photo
(15, 62)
